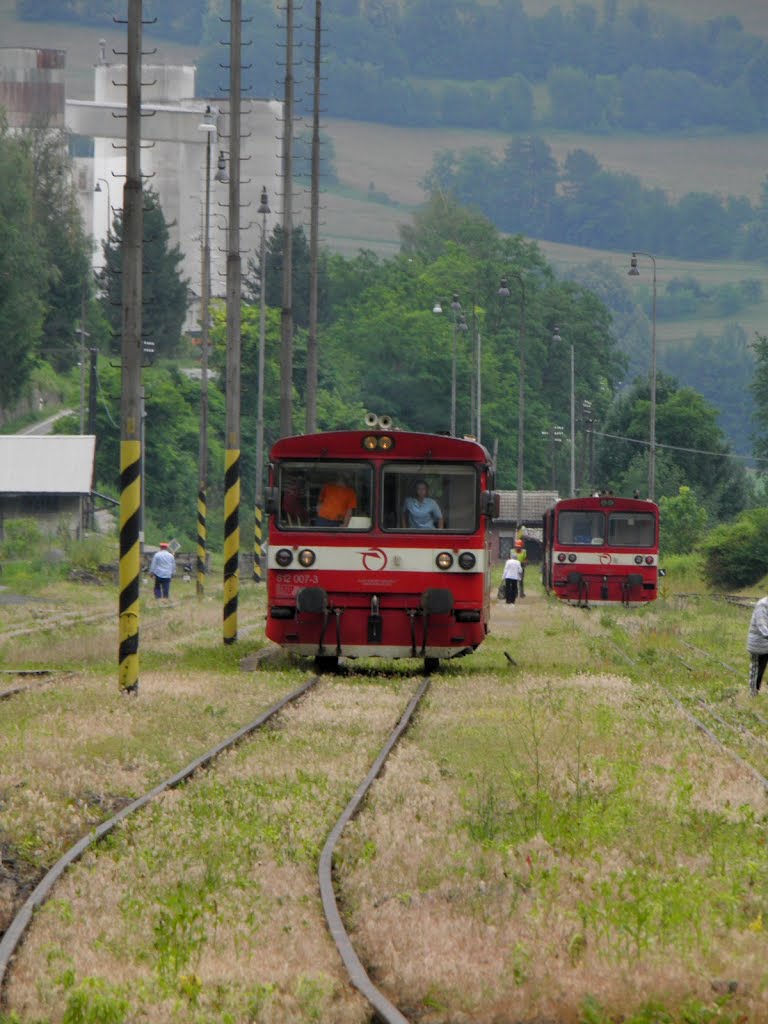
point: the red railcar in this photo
(602, 550)
(374, 583)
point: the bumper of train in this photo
(431, 624)
(603, 588)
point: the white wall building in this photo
(173, 162)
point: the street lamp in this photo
(259, 511)
(459, 324)
(97, 188)
(634, 272)
(556, 337)
(505, 293)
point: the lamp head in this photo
(556, 334)
(633, 271)
(264, 203)
(97, 187)
(455, 304)
(221, 169)
(504, 288)
(437, 308)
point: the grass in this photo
(552, 841)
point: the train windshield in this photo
(581, 527)
(632, 529)
(429, 496)
(325, 495)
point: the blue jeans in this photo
(162, 586)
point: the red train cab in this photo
(602, 550)
(379, 545)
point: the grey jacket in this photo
(757, 636)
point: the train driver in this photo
(422, 512)
(336, 503)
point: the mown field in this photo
(552, 841)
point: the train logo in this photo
(374, 559)
(605, 559)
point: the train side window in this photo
(325, 495)
(579, 527)
(450, 500)
(632, 529)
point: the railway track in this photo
(384, 1009)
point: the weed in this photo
(95, 1001)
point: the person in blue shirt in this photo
(163, 568)
(422, 512)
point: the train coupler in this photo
(374, 622)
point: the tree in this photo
(165, 292)
(66, 247)
(683, 521)
(23, 271)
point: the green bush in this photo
(22, 539)
(736, 554)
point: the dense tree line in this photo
(580, 202)
(472, 63)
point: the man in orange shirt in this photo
(336, 503)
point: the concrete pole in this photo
(286, 315)
(131, 351)
(314, 217)
(232, 440)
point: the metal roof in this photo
(49, 464)
(535, 504)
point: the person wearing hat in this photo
(521, 555)
(163, 568)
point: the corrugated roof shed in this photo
(535, 504)
(49, 464)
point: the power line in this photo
(679, 448)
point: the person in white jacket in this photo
(163, 568)
(757, 645)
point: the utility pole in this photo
(232, 441)
(258, 517)
(314, 217)
(130, 402)
(286, 315)
(205, 299)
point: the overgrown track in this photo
(741, 734)
(40, 677)
(385, 1011)
(42, 891)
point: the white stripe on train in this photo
(374, 559)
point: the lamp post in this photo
(259, 510)
(97, 188)
(459, 324)
(634, 272)
(556, 337)
(505, 293)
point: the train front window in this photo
(580, 527)
(325, 495)
(428, 496)
(631, 529)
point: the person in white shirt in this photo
(513, 573)
(163, 568)
(757, 645)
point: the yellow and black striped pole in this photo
(231, 543)
(130, 563)
(258, 528)
(232, 447)
(202, 538)
(131, 354)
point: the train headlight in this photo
(467, 560)
(571, 557)
(370, 442)
(638, 559)
(561, 557)
(306, 558)
(386, 442)
(649, 559)
(444, 560)
(284, 557)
